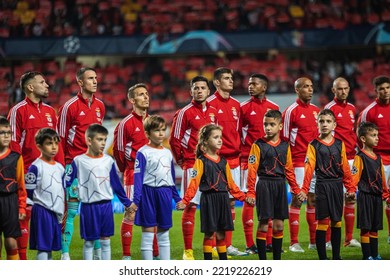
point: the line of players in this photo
(242, 125)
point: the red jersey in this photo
(228, 114)
(185, 128)
(252, 115)
(345, 129)
(379, 114)
(26, 118)
(129, 137)
(300, 128)
(75, 116)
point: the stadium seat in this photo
(373, 18)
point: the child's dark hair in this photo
(46, 133)
(153, 122)
(203, 136)
(4, 121)
(327, 112)
(365, 127)
(94, 129)
(276, 114)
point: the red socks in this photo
(312, 222)
(229, 234)
(23, 240)
(126, 236)
(388, 218)
(187, 225)
(349, 218)
(269, 232)
(293, 222)
(247, 222)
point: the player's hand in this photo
(250, 200)
(351, 196)
(22, 216)
(301, 196)
(180, 205)
(132, 208)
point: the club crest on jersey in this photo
(234, 111)
(350, 113)
(212, 117)
(315, 114)
(252, 159)
(48, 117)
(194, 173)
(98, 114)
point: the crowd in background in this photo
(127, 17)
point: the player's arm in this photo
(287, 122)
(176, 135)
(233, 189)
(139, 171)
(357, 168)
(175, 195)
(310, 164)
(347, 178)
(16, 123)
(117, 186)
(253, 165)
(385, 186)
(119, 146)
(356, 173)
(60, 156)
(198, 169)
(290, 174)
(31, 180)
(63, 125)
(71, 174)
(22, 193)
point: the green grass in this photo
(238, 241)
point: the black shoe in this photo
(252, 250)
(268, 248)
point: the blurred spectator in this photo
(125, 17)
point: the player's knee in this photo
(323, 225)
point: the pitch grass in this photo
(238, 241)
